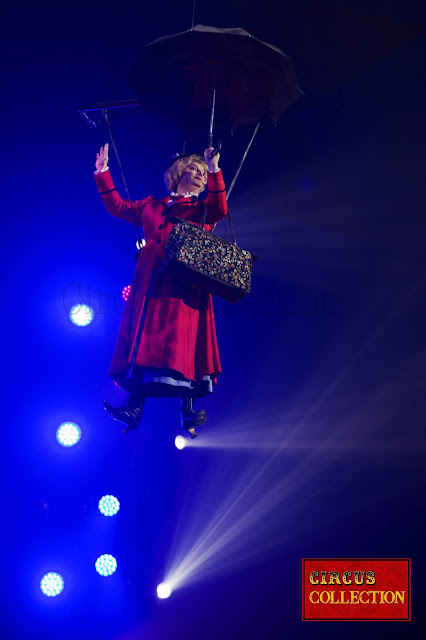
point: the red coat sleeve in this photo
(217, 207)
(128, 210)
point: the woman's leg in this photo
(189, 417)
(129, 413)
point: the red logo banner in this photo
(356, 589)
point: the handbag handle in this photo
(228, 216)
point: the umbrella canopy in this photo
(175, 77)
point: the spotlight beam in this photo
(198, 555)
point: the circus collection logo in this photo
(356, 589)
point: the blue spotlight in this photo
(106, 565)
(81, 315)
(52, 584)
(180, 442)
(164, 590)
(68, 434)
(109, 505)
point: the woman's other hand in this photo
(102, 158)
(212, 163)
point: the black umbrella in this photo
(178, 76)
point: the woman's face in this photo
(193, 178)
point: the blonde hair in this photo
(174, 173)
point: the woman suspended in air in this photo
(166, 344)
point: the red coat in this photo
(178, 329)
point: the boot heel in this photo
(190, 418)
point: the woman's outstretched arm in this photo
(217, 207)
(128, 210)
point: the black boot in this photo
(190, 418)
(129, 413)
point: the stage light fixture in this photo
(68, 434)
(52, 584)
(81, 315)
(106, 565)
(180, 442)
(164, 590)
(109, 505)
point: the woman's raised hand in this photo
(212, 163)
(102, 158)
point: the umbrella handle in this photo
(217, 149)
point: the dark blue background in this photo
(332, 201)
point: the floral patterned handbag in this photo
(208, 261)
